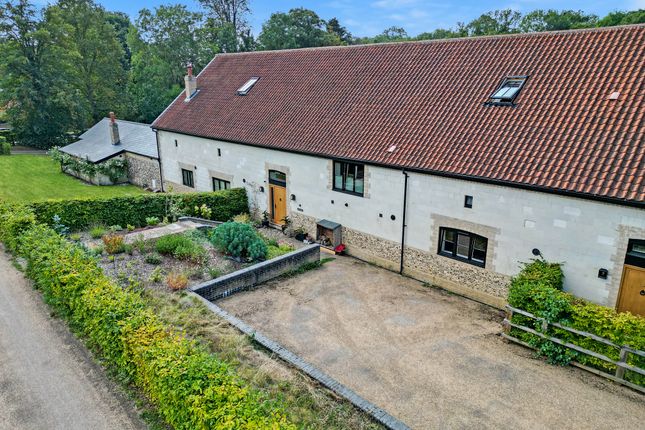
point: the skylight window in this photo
(508, 91)
(244, 89)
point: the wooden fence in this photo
(621, 364)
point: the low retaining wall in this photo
(249, 277)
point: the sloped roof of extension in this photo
(421, 106)
(95, 144)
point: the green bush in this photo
(13, 221)
(181, 247)
(97, 231)
(239, 240)
(281, 249)
(536, 289)
(152, 221)
(154, 259)
(5, 147)
(191, 388)
(78, 214)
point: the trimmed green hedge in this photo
(536, 289)
(191, 388)
(78, 214)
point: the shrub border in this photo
(191, 387)
(537, 290)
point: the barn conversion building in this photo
(451, 161)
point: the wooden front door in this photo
(632, 290)
(278, 204)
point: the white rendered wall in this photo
(584, 234)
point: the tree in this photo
(100, 76)
(623, 18)
(334, 28)
(227, 20)
(496, 22)
(439, 33)
(121, 23)
(552, 20)
(299, 28)
(163, 43)
(37, 75)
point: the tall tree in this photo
(552, 20)
(334, 28)
(163, 43)
(121, 23)
(496, 22)
(623, 18)
(37, 75)
(299, 28)
(228, 21)
(101, 77)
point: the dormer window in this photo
(244, 89)
(508, 91)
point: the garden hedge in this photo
(537, 289)
(78, 214)
(191, 388)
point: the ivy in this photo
(115, 168)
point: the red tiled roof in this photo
(427, 99)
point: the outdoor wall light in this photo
(261, 189)
(603, 273)
(536, 252)
(293, 197)
(392, 217)
(346, 205)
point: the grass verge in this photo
(307, 404)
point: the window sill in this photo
(349, 192)
(463, 260)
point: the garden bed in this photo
(142, 261)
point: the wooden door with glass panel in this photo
(278, 196)
(631, 297)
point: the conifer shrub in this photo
(239, 240)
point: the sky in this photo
(370, 17)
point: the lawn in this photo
(30, 178)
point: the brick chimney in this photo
(191, 82)
(114, 130)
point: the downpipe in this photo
(405, 204)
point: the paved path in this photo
(431, 359)
(47, 378)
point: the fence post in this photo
(509, 317)
(620, 371)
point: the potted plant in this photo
(301, 234)
(265, 219)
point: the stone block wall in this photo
(142, 171)
(471, 281)
(251, 276)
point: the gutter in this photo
(405, 203)
(480, 179)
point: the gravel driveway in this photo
(47, 378)
(431, 359)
